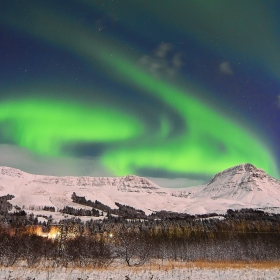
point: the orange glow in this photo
(54, 232)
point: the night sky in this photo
(172, 90)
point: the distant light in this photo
(111, 235)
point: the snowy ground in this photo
(242, 186)
(13, 273)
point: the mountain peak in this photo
(243, 168)
(133, 183)
(12, 172)
(243, 183)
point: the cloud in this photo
(16, 157)
(177, 60)
(164, 63)
(176, 182)
(225, 68)
(162, 50)
(24, 160)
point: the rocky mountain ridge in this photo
(131, 183)
(242, 186)
(243, 182)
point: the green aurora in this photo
(210, 142)
(208, 135)
(45, 126)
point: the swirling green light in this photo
(210, 142)
(44, 126)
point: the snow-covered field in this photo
(139, 274)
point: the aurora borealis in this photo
(37, 125)
(147, 88)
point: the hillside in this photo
(242, 186)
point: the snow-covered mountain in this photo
(128, 183)
(33, 192)
(244, 183)
(242, 186)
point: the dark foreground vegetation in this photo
(245, 235)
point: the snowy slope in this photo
(238, 187)
(243, 183)
(242, 186)
(35, 191)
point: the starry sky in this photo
(171, 90)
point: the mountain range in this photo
(242, 186)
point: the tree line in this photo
(79, 212)
(239, 235)
(124, 211)
(99, 243)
